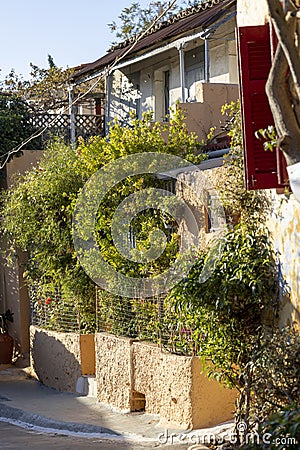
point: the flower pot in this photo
(6, 348)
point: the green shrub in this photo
(37, 210)
(280, 431)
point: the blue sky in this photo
(72, 32)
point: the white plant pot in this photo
(294, 177)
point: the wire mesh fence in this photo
(152, 319)
(49, 310)
(128, 317)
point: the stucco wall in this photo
(284, 218)
(55, 358)
(173, 385)
(210, 400)
(13, 291)
(17, 301)
(87, 352)
(284, 226)
(25, 162)
(206, 112)
(252, 12)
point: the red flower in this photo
(48, 300)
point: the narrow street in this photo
(15, 438)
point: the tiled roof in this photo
(176, 18)
(201, 16)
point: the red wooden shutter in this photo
(261, 166)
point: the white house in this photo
(191, 59)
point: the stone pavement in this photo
(26, 403)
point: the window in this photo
(194, 69)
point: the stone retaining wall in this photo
(173, 386)
(56, 358)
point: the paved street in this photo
(15, 438)
(36, 417)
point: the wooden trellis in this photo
(86, 125)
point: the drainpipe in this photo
(108, 100)
(207, 62)
(182, 71)
(72, 115)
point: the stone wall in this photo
(166, 382)
(113, 370)
(173, 386)
(283, 223)
(55, 358)
(201, 182)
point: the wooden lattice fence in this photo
(86, 125)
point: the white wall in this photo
(284, 226)
(252, 12)
(146, 83)
(124, 96)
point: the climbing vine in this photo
(37, 210)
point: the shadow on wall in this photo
(289, 312)
(56, 361)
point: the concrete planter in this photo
(135, 376)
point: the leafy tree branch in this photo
(135, 19)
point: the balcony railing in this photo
(60, 125)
